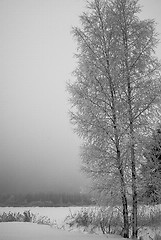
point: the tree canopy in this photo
(114, 94)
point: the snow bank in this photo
(31, 231)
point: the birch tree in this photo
(116, 86)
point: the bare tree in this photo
(116, 87)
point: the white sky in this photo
(38, 149)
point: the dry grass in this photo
(108, 220)
(27, 216)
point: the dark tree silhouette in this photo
(151, 169)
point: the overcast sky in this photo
(38, 149)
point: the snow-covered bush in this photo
(27, 216)
(108, 220)
(157, 237)
(149, 217)
(43, 220)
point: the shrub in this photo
(150, 217)
(108, 220)
(15, 217)
(149, 220)
(27, 216)
(157, 237)
(43, 220)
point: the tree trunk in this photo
(125, 231)
(134, 195)
(133, 168)
(132, 143)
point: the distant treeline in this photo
(44, 200)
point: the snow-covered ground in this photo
(32, 231)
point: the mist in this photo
(38, 149)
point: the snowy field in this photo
(57, 214)
(32, 231)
